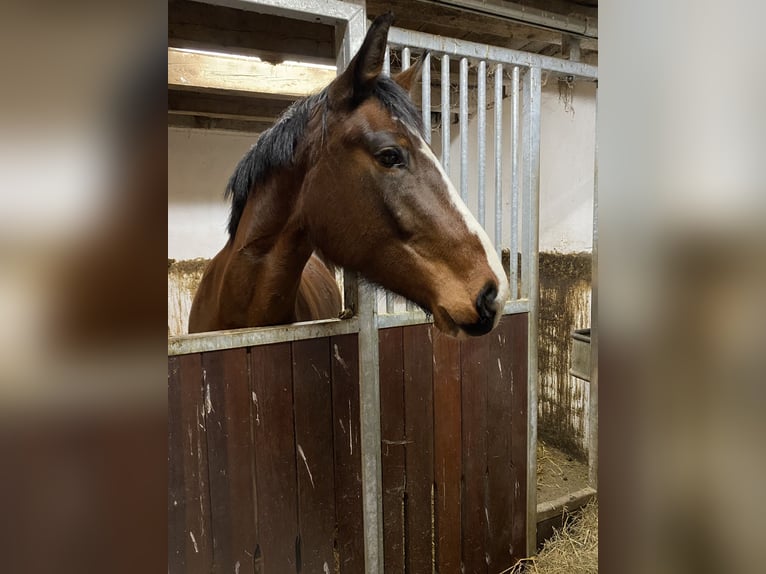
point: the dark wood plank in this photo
(176, 473)
(393, 447)
(499, 476)
(189, 528)
(227, 409)
(274, 438)
(517, 339)
(348, 463)
(418, 406)
(312, 395)
(474, 356)
(199, 25)
(447, 452)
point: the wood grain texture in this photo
(229, 441)
(348, 462)
(448, 462)
(274, 439)
(474, 364)
(312, 395)
(418, 405)
(393, 447)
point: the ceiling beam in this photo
(193, 70)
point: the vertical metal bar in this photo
(464, 129)
(405, 65)
(531, 201)
(481, 112)
(593, 385)
(514, 243)
(387, 62)
(445, 113)
(425, 76)
(389, 302)
(498, 157)
(369, 425)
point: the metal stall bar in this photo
(387, 62)
(464, 129)
(426, 96)
(514, 242)
(445, 113)
(498, 158)
(530, 206)
(481, 111)
(410, 306)
(594, 335)
(473, 50)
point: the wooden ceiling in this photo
(206, 91)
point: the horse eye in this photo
(390, 157)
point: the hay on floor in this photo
(572, 550)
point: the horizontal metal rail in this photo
(463, 48)
(236, 338)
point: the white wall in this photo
(200, 163)
(567, 170)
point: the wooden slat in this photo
(474, 355)
(517, 338)
(274, 439)
(312, 394)
(348, 462)
(177, 536)
(393, 447)
(418, 405)
(227, 406)
(225, 106)
(447, 452)
(243, 31)
(238, 74)
(201, 122)
(188, 468)
(499, 480)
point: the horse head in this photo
(376, 199)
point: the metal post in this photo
(445, 113)
(531, 200)
(464, 129)
(498, 157)
(426, 89)
(426, 96)
(593, 385)
(405, 58)
(514, 243)
(369, 424)
(387, 62)
(481, 112)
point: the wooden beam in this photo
(275, 39)
(239, 74)
(451, 22)
(227, 106)
(224, 124)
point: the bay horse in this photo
(346, 173)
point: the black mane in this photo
(275, 148)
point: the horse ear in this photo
(356, 82)
(409, 77)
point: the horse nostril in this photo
(485, 302)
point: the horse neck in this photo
(269, 252)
